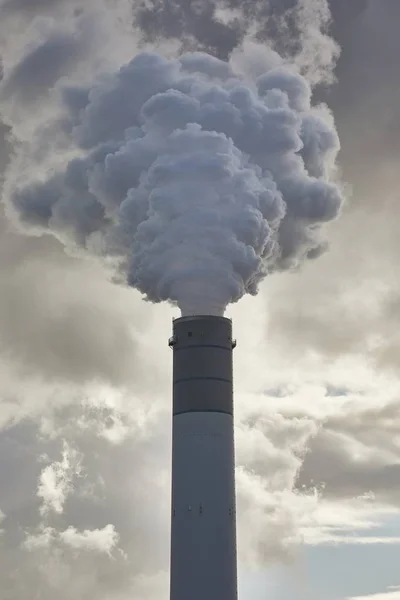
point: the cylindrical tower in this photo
(203, 530)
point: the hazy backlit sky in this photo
(85, 369)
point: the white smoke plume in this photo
(197, 182)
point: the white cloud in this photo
(99, 540)
(56, 479)
(391, 594)
(42, 539)
(103, 540)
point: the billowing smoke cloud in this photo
(302, 30)
(197, 183)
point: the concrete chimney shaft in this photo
(203, 520)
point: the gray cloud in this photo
(193, 23)
(292, 27)
(11, 6)
(356, 452)
(201, 25)
(57, 320)
(368, 91)
(352, 311)
(38, 71)
(5, 148)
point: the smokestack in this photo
(203, 520)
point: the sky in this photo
(85, 369)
